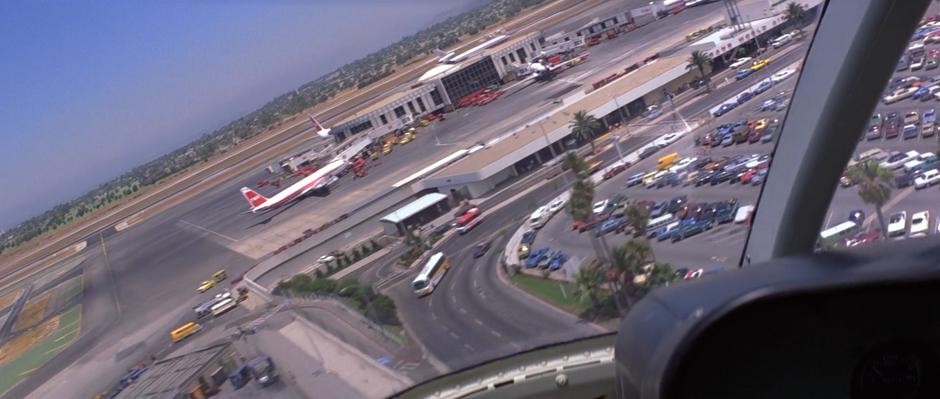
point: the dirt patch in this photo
(7, 299)
(34, 310)
(16, 347)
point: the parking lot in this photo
(720, 243)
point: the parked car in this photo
(599, 207)
(920, 224)
(897, 224)
(927, 179)
(857, 216)
(635, 180)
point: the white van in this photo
(539, 217)
(661, 221)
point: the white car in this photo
(920, 224)
(917, 63)
(682, 164)
(928, 178)
(668, 139)
(782, 40)
(897, 224)
(743, 214)
(326, 259)
(556, 205)
(785, 73)
(539, 217)
(908, 156)
(600, 207)
(899, 95)
(740, 62)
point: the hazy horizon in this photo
(93, 90)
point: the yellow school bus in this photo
(184, 331)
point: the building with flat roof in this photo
(196, 374)
(416, 213)
(390, 113)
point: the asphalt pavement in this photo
(146, 284)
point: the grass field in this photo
(557, 293)
(53, 299)
(33, 311)
(30, 350)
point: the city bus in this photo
(223, 306)
(469, 220)
(431, 274)
(837, 234)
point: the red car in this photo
(747, 176)
(614, 171)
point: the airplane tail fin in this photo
(253, 197)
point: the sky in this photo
(90, 89)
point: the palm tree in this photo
(586, 281)
(795, 14)
(581, 200)
(627, 262)
(638, 217)
(874, 186)
(584, 125)
(574, 162)
(699, 60)
(661, 274)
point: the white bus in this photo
(431, 274)
(837, 234)
(223, 306)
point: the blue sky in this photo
(90, 89)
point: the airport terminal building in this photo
(626, 96)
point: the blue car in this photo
(558, 259)
(910, 132)
(744, 97)
(664, 235)
(691, 229)
(921, 92)
(535, 257)
(607, 226)
(763, 86)
(743, 74)
(723, 109)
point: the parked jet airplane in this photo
(316, 181)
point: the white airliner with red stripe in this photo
(319, 180)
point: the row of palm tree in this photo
(632, 273)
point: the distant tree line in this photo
(357, 74)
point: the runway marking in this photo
(478, 321)
(468, 346)
(496, 333)
(453, 298)
(462, 310)
(453, 335)
(208, 231)
(475, 284)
